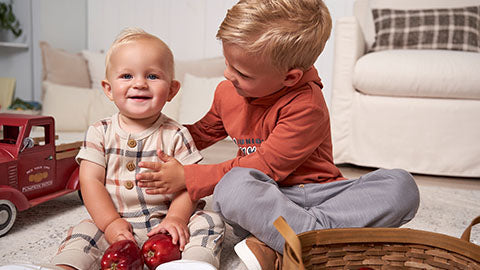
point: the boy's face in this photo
(138, 80)
(251, 76)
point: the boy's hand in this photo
(167, 177)
(117, 230)
(176, 227)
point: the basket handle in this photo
(291, 239)
(466, 233)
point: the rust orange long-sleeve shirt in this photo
(286, 135)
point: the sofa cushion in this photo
(62, 67)
(419, 73)
(75, 108)
(204, 68)
(69, 105)
(197, 97)
(100, 107)
(96, 67)
(448, 29)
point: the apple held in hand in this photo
(159, 249)
(123, 254)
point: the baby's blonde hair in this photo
(289, 33)
(130, 34)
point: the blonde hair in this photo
(289, 33)
(130, 34)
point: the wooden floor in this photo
(226, 149)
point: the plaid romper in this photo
(120, 152)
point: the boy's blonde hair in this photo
(289, 33)
(130, 34)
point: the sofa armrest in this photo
(349, 47)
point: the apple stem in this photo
(114, 266)
(151, 254)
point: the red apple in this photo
(159, 249)
(123, 254)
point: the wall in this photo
(63, 24)
(60, 22)
(16, 62)
(188, 26)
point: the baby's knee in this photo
(207, 231)
(199, 253)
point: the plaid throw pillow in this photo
(448, 29)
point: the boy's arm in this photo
(99, 204)
(178, 216)
(300, 129)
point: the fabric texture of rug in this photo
(37, 232)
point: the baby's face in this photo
(138, 79)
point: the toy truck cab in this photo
(32, 168)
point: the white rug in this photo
(39, 230)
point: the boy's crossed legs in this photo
(249, 199)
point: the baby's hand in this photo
(117, 230)
(162, 178)
(176, 227)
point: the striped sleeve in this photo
(93, 148)
(182, 146)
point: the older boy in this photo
(273, 108)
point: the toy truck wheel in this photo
(8, 214)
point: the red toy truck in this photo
(32, 169)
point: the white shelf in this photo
(13, 45)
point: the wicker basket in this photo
(377, 248)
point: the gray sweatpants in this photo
(251, 201)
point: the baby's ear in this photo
(292, 77)
(107, 89)
(174, 87)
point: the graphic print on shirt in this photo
(248, 145)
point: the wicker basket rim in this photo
(390, 235)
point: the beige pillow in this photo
(62, 67)
(197, 97)
(101, 107)
(69, 106)
(96, 67)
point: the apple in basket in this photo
(123, 254)
(159, 249)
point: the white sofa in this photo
(72, 91)
(416, 109)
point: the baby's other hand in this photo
(176, 227)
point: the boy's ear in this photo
(174, 87)
(292, 77)
(107, 89)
